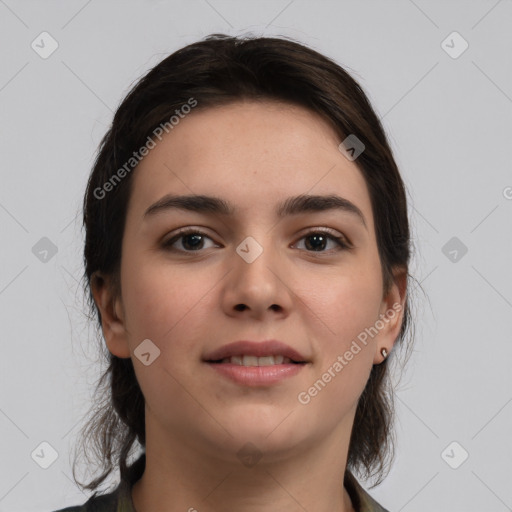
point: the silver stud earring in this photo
(384, 352)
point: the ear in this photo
(112, 315)
(391, 314)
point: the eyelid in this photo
(329, 231)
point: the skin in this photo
(254, 155)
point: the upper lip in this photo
(255, 348)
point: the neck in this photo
(180, 477)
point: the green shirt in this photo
(120, 500)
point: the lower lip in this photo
(257, 375)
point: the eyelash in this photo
(340, 240)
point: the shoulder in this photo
(119, 499)
(370, 505)
(101, 503)
(361, 499)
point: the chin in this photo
(266, 427)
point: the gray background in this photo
(449, 122)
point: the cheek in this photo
(347, 303)
(159, 299)
(166, 305)
(345, 354)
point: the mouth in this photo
(255, 353)
(256, 363)
(249, 360)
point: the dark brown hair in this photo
(216, 71)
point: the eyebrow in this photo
(291, 206)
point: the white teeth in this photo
(236, 360)
(266, 361)
(250, 361)
(257, 361)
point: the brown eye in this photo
(190, 240)
(317, 241)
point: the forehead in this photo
(254, 154)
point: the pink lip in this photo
(254, 348)
(256, 375)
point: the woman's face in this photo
(267, 270)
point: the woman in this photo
(247, 250)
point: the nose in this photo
(256, 288)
